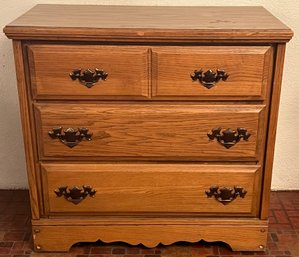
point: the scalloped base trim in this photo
(240, 237)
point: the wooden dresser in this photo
(149, 125)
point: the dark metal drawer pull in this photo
(88, 77)
(225, 195)
(209, 78)
(75, 194)
(71, 136)
(228, 137)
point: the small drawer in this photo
(150, 131)
(88, 72)
(212, 72)
(151, 188)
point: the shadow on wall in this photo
(12, 164)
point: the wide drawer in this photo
(247, 72)
(151, 188)
(51, 66)
(151, 131)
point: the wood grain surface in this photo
(151, 188)
(247, 67)
(150, 23)
(28, 130)
(247, 236)
(271, 135)
(150, 158)
(151, 131)
(127, 68)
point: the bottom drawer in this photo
(151, 188)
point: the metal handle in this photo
(228, 137)
(226, 195)
(88, 77)
(209, 78)
(75, 194)
(71, 136)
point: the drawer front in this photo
(246, 72)
(53, 75)
(150, 131)
(151, 188)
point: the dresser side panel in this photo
(272, 127)
(27, 129)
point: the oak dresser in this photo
(149, 125)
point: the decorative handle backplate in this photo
(88, 77)
(71, 136)
(75, 194)
(228, 137)
(209, 78)
(225, 195)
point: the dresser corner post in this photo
(26, 126)
(272, 127)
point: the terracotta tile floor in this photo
(15, 237)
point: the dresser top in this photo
(148, 23)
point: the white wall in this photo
(286, 166)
